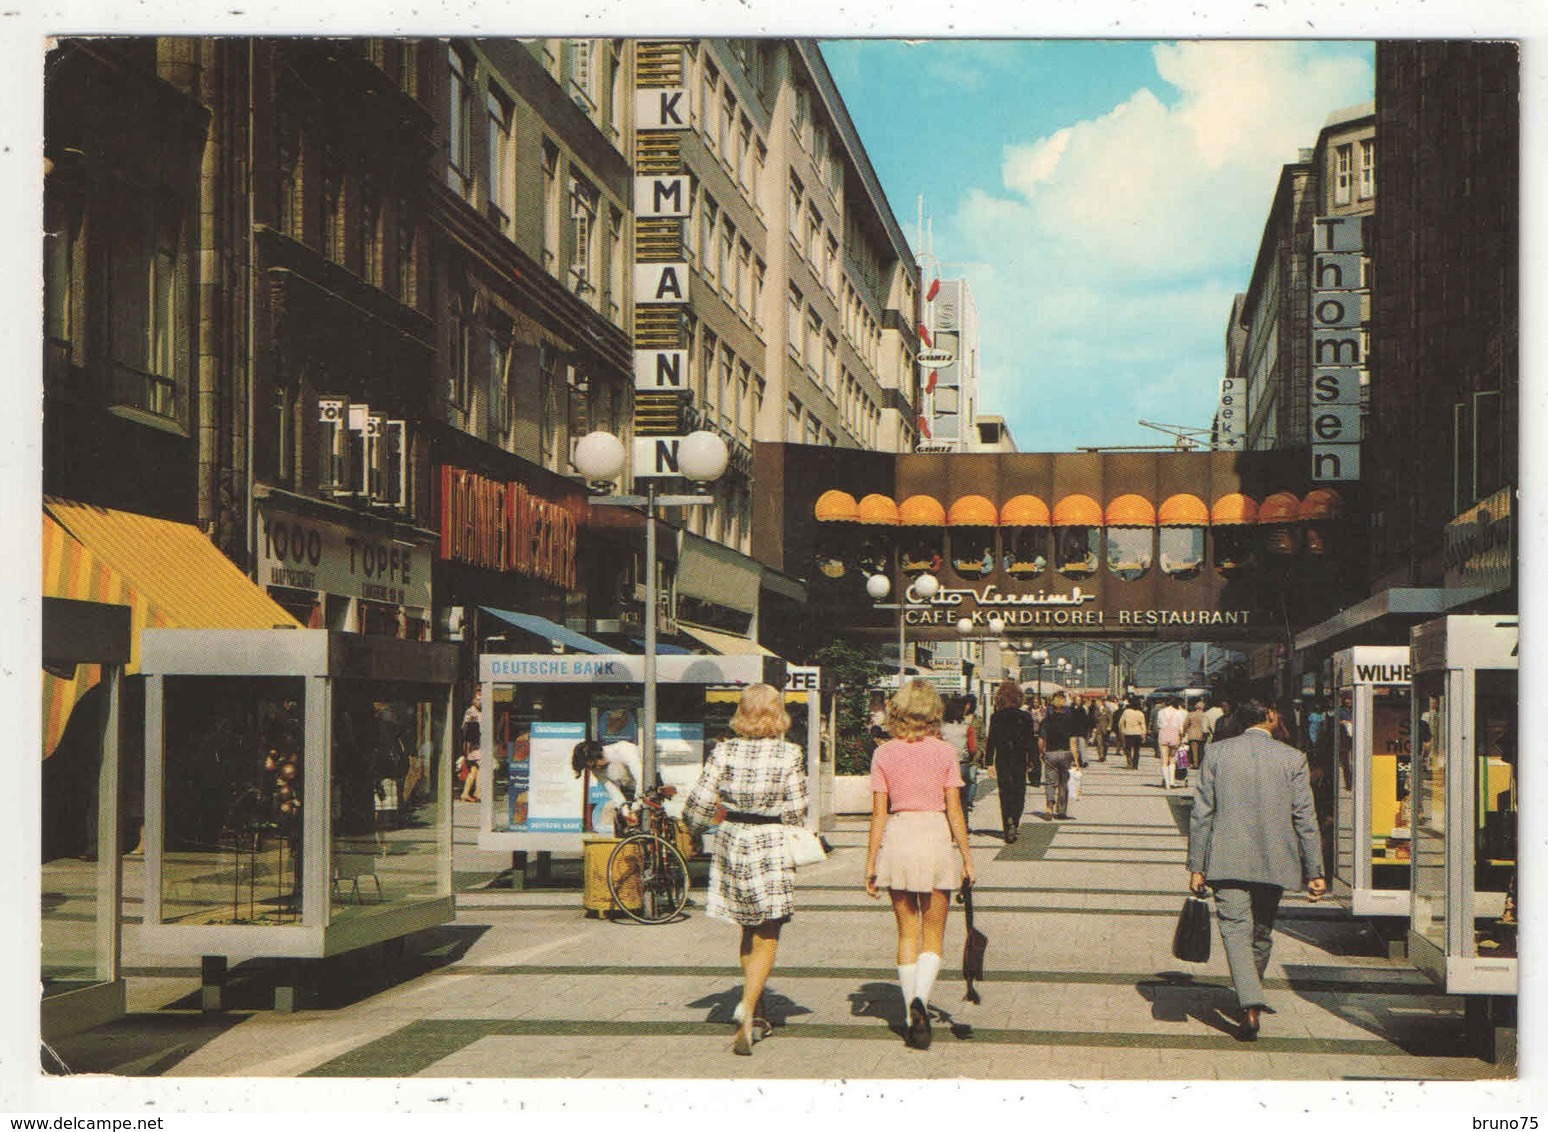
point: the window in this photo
(583, 236)
(794, 212)
(333, 209)
(619, 92)
(727, 259)
(550, 205)
(408, 67)
(793, 321)
(615, 288)
(744, 154)
(1367, 168)
(548, 393)
(581, 92)
(407, 291)
(760, 160)
(727, 126)
(370, 232)
(725, 389)
(830, 265)
(742, 406)
(288, 191)
(800, 115)
(499, 379)
(811, 431)
(459, 389)
(502, 159)
(459, 136)
(147, 300)
(705, 376)
(707, 245)
(792, 420)
(757, 293)
(744, 278)
(1343, 158)
(709, 100)
(829, 366)
(813, 346)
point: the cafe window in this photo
(1130, 552)
(1077, 525)
(1183, 519)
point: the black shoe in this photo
(918, 1025)
(1248, 1032)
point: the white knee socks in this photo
(908, 975)
(929, 967)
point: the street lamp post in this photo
(996, 626)
(922, 588)
(701, 458)
(1040, 658)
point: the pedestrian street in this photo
(1080, 985)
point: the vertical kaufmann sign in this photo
(661, 278)
(1338, 347)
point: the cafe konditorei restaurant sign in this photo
(1042, 610)
(501, 525)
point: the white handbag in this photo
(804, 846)
(1075, 777)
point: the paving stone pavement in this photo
(1081, 983)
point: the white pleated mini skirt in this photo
(917, 854)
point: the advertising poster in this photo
(553, 805)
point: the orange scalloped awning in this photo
(972, 511)
(836, 507)
(1233, 510)
(879, 509)
(1077, 511)
(1281, 507)
(921, 511)
(1184, 511)
(1024, 511)
(1324, 503)
(1131, 511)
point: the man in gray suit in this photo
(1253, 835)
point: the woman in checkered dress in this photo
(757, 781)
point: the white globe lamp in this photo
(877, 587)
(702, 457)
(599, 457)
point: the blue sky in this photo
(1104, 198)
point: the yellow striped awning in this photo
(168, 574)
(726, 644)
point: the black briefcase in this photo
(1190, 942)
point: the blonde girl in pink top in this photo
(918, 848)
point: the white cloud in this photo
(1119, 240)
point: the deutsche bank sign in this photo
(1337, 347)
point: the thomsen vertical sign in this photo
(1338, 346)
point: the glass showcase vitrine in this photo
(297, 790)
(1371, 735)
(85, 648)
(1463, 803)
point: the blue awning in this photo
(663, 648)
(551, 630)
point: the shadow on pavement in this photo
(138, 1045)
(777, 1008)
(1428, 1025)
(343, 980)
(1175, 997)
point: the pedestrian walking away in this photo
(1037, 709)
(1253, 834)
(1170, 721)
(1059, 756)
(1193, 735)
(1012, 744)
(957, 731)
(918, 846)
(1132, 729)
(754, 783)
(1101, 726)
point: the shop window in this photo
(459, 133)
(1235, 551)
(1130, 552)
(1075, 550)
(232, 800)
(1182, 552)
(972, 551)
(1026, 551)
(1495, 844)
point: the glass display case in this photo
(1368, 723)
(1464, 803)
(297, 790)
(85, 648)
(538, 707)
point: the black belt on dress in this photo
(753, 819)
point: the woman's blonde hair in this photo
(915, 711)
(760, 714)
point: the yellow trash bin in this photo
(596, 850)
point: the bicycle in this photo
(646, 874)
